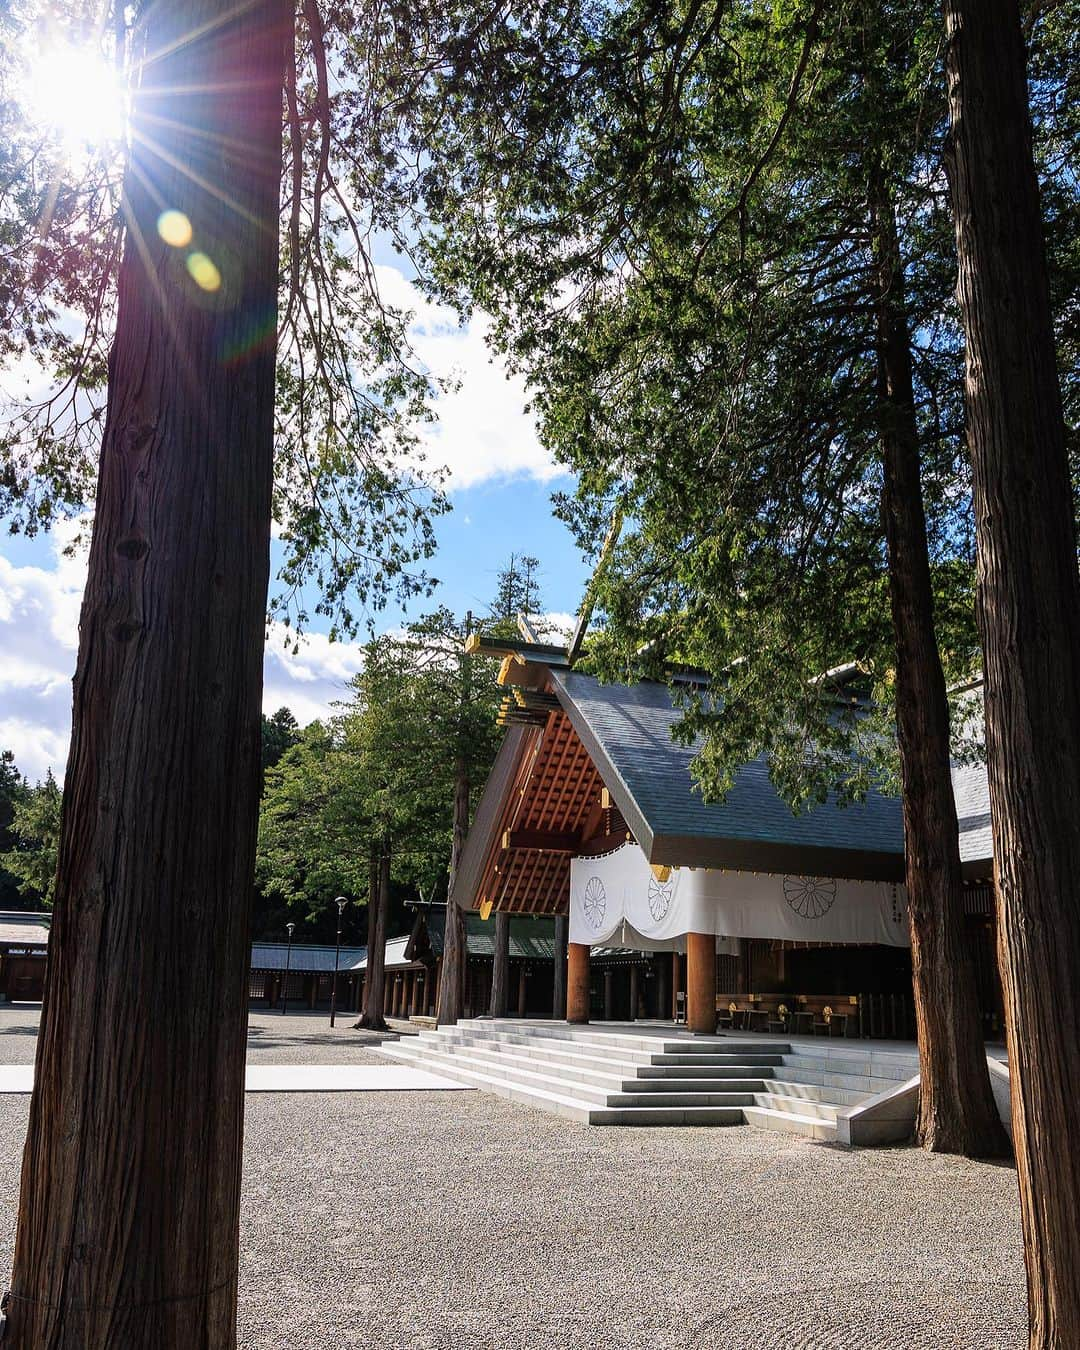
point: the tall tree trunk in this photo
(378, 910)
(128, 1210)
(956, 1113)
(452, 985)
(500, 966)
(1029, 597)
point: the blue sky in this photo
(501, 482)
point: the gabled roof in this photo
(584, 772)
(627, 731)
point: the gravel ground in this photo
(439, 1221)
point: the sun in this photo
(75, 92)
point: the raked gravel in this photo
(460, 1221)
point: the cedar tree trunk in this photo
(1029, 609)
(128, 1210)
(956, 1113)
(378, 909)
(500, 969)
(451, 986)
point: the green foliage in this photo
(517, 591)
(279, 733)
(382, 771)
(14, 790)
(35, 828)
(354, 498)
(668, 209)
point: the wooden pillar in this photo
(676, 984)
(500, 969)
(410, 993)
(522, 992)
(558, 988)
(663, 1003)
(438, 983)
(635, 991)
(701, 981)
(609, 982)
(416, 1003)
(577, 982)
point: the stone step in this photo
(797, 1106)
(786, 1122)
(583, 1035)
(616, 1092)
(814, 1092)
(696, 1084)
(614, 1079)
(587, 1057)
(611, 1078)
(523, 1074)
(639, 1047)
(720, 1060)
(576, 1107)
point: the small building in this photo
(24, 945)
(310, 974)
(414, 965)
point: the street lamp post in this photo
(341, 902)
(290, 927)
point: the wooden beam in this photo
(604, 843)
(524, 674)
(548, 841)
(547, 653)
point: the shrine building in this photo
(667, 907)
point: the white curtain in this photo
(616, 900)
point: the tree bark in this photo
(1029, 606)
(128, 1211)
(372, 1018)
(956, 1112)
(500, 970)
(451, 987)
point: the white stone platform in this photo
(656, 1074)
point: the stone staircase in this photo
(659, 1077)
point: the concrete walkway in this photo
(17, 1078)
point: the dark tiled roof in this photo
(22, 928)
(271, 956)
(627, 730)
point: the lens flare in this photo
(203, 271)
(175, 228)
(77, 93)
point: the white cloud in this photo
(39, 614)
(483, 431)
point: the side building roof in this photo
(304, 958)
(532, 938)
(23, 928)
